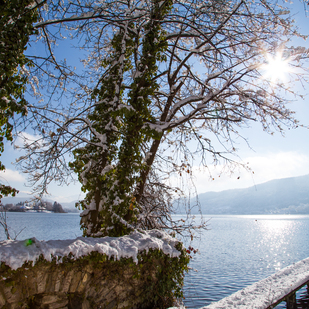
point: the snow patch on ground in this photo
(15, 253)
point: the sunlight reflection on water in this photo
(276, 236)
(240, 250)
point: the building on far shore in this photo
(37, 206)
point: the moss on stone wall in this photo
(94, 281)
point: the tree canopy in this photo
(16, 24)
(162, 80)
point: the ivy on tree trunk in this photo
(111, 168)
(16, 25)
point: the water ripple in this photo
(238, 251)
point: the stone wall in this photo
(89, 282)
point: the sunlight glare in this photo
(276, 231)
(276, 68)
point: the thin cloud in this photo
(9, 175)
(27, 138)
(262, 169)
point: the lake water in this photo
(235, 252)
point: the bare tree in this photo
(3, 222)
(6, 227)
(162, 80)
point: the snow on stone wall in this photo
(14, 253)
(86, 272)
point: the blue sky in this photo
(270, 156)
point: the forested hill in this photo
(280, 196)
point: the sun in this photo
(276, 68)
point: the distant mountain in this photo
(70, 207)
(280, 196)
(17, 199)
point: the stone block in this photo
(17, 306)
(112, 305)
(41, 280)
(2, 300)
(86, 304)
(11, 294)
(29, 287)
(66, 281)
(82, 283)
(75, 282)
(58, 281)
(60, 304)
(53, 281)
(49, 299)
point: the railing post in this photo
(291, 301)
